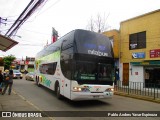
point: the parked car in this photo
(30, 76)
(17, 74)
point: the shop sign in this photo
(154, 53)
(138, 55)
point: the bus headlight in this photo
(77, 89)
(109, 90)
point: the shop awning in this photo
(6, 43)
(147, 63)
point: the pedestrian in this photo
(1, 81)
(8, 82)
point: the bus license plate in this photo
(96, 96)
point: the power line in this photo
(35, 32)
(46, 9)
(49, 7)
(3, 21)
(31, 44)
(28, 11)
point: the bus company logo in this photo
(97, 89)
(88, 87)
(98, 53)
(45, 81)
(6, 114)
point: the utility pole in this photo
(2, 22)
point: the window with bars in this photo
(137, 40)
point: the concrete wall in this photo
(136, 74)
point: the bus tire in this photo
(59, 96)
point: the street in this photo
(45, 100)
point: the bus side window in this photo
(51, 68)
(48, 68)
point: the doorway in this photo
(126, 74)
(152, 76)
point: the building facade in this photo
(114, 37)
(25, 65)
(140, 49)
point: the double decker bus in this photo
(78, 66)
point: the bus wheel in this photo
(58, 92)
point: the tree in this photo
(91, 25)
(99, 24)
(8, 61)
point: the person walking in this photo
(1, 80)
(8, 82)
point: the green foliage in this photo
(8, 61)
(30, 69)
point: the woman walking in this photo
(8, 82)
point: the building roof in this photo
(6, 43)
(141, 15)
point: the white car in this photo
(30, 76)
(17, 74)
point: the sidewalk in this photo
(15, 102)
(138, 90)
(137, 97)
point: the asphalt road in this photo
(45, 100)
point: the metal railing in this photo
(151, 90)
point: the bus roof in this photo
(84, 42)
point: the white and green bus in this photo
(78, 66)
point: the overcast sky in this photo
(65, 16)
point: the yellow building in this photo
(140, 49)
(114, 36)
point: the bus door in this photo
(67, 79)
(67, 88)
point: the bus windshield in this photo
(91, 71)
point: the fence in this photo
(150, 90)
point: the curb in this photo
(137, 97)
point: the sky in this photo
(65, 16)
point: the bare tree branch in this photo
(91, 25)
(99, 25)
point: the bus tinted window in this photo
(85, 71)
(105, 72)
(92, 71)
(48, 68)
(67, 69)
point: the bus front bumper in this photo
(90, 96)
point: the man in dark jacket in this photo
(1, 80)
(8, 82)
